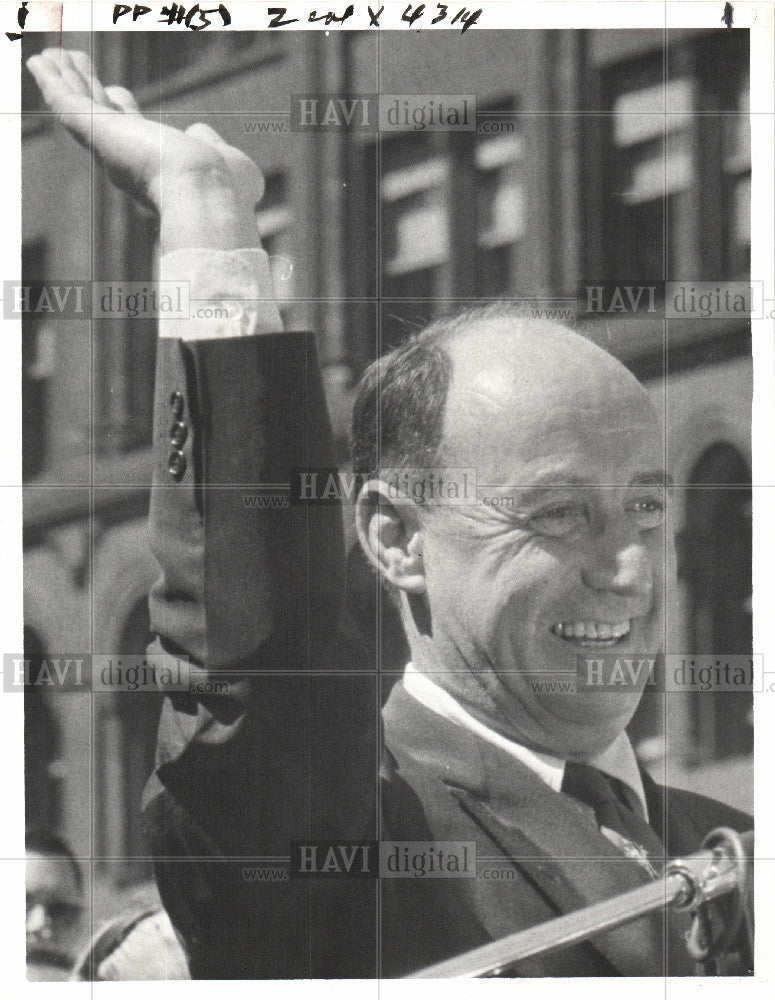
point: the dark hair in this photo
(399, 408)
(398, 414)
(50, 844)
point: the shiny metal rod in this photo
(702, 876)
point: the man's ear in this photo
(389, 533)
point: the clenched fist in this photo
(204, 190)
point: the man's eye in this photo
(561, 520)
(649, 512)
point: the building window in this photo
(500, 212)
(672, 155)
(415, 217)
(451, 216)
(652, 173)
(413, 237)
(736, 166)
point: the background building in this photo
(574, 176)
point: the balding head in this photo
(517, 382)
(399, 412)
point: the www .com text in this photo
(265, 873)
(268, 127)
(266, 501)
(210, 312)
(275, 127)
(568, 686)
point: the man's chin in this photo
(582, 729)
(582, 747)
(592, 708)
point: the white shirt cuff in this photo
(230, 294)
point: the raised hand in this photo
(205, 191)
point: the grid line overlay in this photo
(94, 488)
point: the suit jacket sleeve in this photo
(249, 592)
(246, 576)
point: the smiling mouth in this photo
(591, 633)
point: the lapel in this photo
(553, 840)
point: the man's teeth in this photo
(591, 630)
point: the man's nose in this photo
(38, 923)
(625, 569)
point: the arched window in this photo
(716, 565)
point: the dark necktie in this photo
(614, 804)
(616, 807)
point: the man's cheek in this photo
(512, 617)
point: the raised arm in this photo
(204, 191)
(238, 403)
(249, 591)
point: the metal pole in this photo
(702, 876)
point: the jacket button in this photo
(179, 433)
(177, 464)
(177, 402)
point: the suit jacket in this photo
(295, 749)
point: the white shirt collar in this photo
(618, 761)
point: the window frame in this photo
(704, 237)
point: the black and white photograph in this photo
(393, 419)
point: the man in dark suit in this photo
(559, 554)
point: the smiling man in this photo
(562, 551)
(564, 554)
(482, 754)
